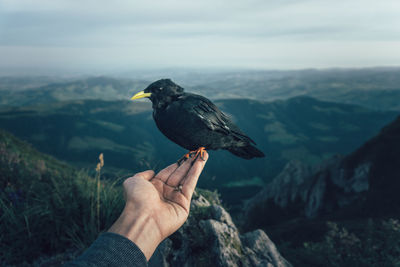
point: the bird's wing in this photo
(216, 120)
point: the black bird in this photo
(194, 122)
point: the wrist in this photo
(139, 227)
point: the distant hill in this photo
(103, 88)
(374, 88)
(300, 128)
(377, 88)
(22, 83)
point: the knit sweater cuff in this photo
(111, 249)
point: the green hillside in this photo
(47, 206)
(48, 209)
(300, 128)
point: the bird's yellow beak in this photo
(141, 94)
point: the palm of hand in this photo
(165, 196)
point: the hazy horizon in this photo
(168, 72)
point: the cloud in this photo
(171, 31)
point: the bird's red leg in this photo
(200, 151)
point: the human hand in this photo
(157, 205)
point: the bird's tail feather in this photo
(246, 152)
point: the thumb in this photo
(130, 182)
(147, 175)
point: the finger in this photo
(180, 173)
(193, 176)
(166, 172)
(147, 175)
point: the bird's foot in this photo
(199, 152)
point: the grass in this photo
(47, 207)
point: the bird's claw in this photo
(199, 152)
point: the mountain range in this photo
(299, 128)
(376, 88)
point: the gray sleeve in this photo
(111, 249)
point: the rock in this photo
(307, 188)
(261, 251)
(220, 214)
(225, 246)
(287, 186)
(200, 201)
(210, 238)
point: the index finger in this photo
(193, 176)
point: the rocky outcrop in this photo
(312, 190)
(210, 238)
(368, 178)
(287, 186)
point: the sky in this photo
(100, 35)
